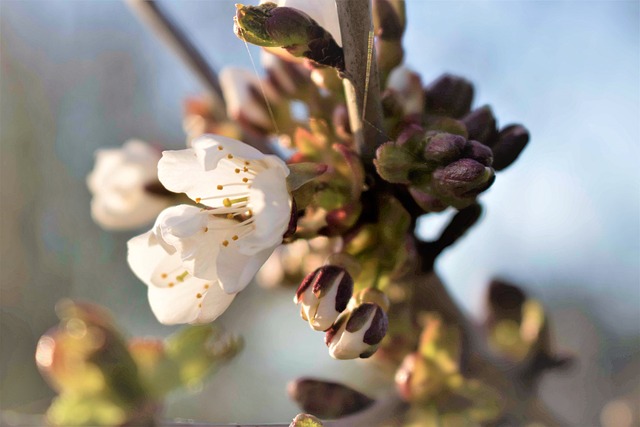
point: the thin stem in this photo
(362, 84)
(155, 17)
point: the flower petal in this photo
(188, 302)
(270, 203)
(196, 235)
(236, 270)
(144, 255)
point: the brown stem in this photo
(362, 84)
(155, 17)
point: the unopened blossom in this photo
(195, 259)
(243, 97)
(324, 12)
(357, 333)
(323, 295)
(122, 184)
(406, 86)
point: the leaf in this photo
(302, 173)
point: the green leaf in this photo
(302, 173)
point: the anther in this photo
(171, 284)
(163, 275)
(229, 216)
(246, 163)
(198, 199)
(220, 147)
(245, 169)
(245, 180)
(229, 156)
(206, 229)
(226, 202)
(206, 286)
(225, 243)
(219, 187)
(235, 237)
(237, 170)
(200, 305)
(198, 295)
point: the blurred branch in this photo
(461, 222)
(362, 84)
(155, 17)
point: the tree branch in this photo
(362, 84)
(155, 17)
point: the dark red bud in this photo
(444, 147)
(477, 151)
(481, 126)
(511, 142)
(449, 96)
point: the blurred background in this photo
(564, 222)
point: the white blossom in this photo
(217, 249)
(118, 184)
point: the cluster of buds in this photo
(431, 378)
(441, 169)
(353, 326)
(102, 379)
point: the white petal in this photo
(207, 147)
(181, 304)
(144, 255)
(270, 203)
(235, 270)
(196, 235)
(350, 345)
(200, 173)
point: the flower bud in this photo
(478, 152)
(268, 25)
(418, 379)
(463, 178)
(450, 96)
(372, 295)
(357, 333)
(512, 140)
(406, 86)
(325, 399)
(323, 295)
(426, 201)
(481, 125)
(444, 147)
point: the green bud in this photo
(268, 25)
(394, 162)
